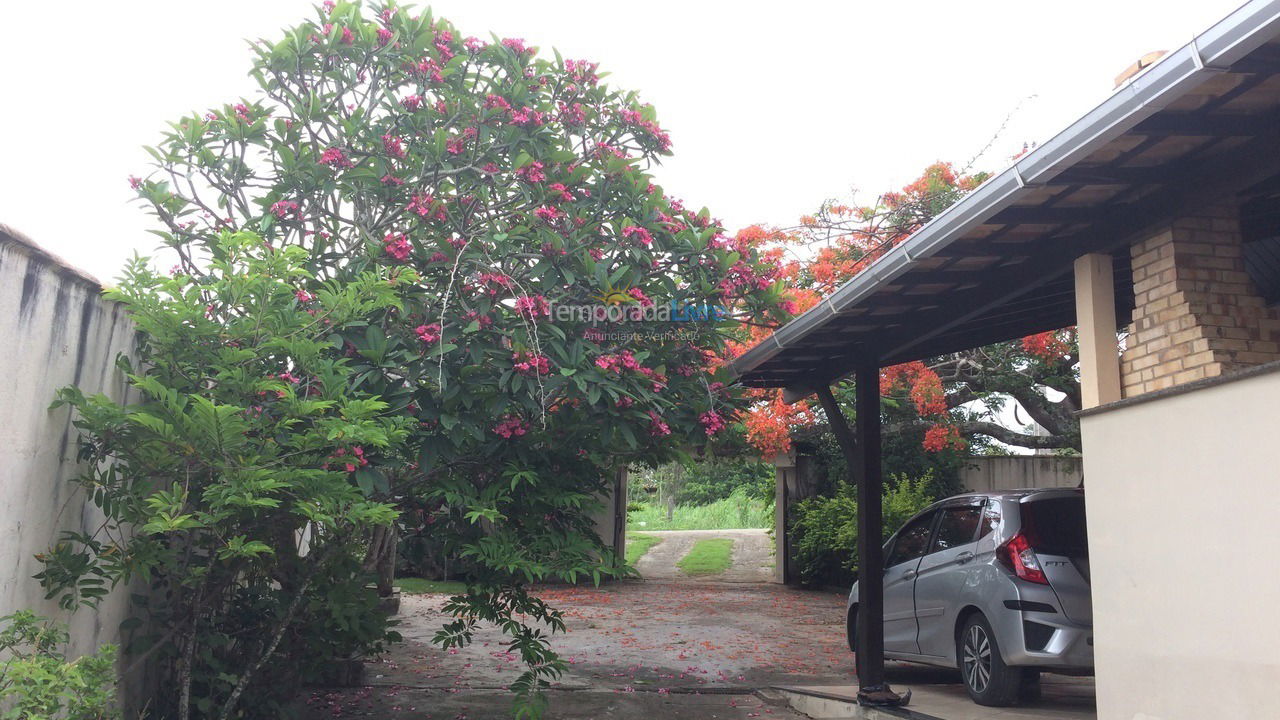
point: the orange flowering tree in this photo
(954, 402)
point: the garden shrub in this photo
(716, 479)
(38, 682)
(739, 510)
(824, 530)
(240, 485)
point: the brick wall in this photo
(1197, 313)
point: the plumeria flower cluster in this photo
(510, 426)
(711, 422)
(428, 334)
(657, 426)
(397, 246)
(284, 209)
(532, 307)
(531, 364)
(349, 459)
(616, 363)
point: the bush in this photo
(824, 530)
(37, 682)
(902, 454)
(246, 434)
(717, 479)
(739, 510)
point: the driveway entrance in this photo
(636, 649)
(752, 556)
(669, 646)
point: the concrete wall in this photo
(795, 479)
(611, 517)
(784, 478)
(1183, 535)
(56, 331)
(1024, 471)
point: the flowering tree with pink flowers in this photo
(556, 315)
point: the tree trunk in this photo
(249, 672)
(387, 562)
(673, 489)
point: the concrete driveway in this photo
(635, 649)
(752, 555)
(669, 647)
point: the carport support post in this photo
(1096, 330)
(862, 457)
(870, 534)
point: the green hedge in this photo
(824, 530)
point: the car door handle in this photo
(908, 574)
(964, 557)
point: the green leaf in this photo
(375, 343)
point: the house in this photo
(1154, 218)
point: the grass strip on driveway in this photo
(419, 586)
(638, 544)
(711, 556)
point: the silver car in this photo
(995, 584)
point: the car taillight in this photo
(1018, 556)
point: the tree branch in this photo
(1013, 437)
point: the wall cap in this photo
(1245, 374)
(10, 235)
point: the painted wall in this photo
(1183, 535)
(56, 331)
(611, 516)
(1026, 471)
(795, 479)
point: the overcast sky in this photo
(772, 107)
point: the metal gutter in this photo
(1210, 52)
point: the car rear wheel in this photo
(986, 677)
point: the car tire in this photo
(1029, 690)
(851, 634)
(986, 677)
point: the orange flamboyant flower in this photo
(1052, 345)
(835, 244)
(924, 386)
(942, 437)
(769, 426)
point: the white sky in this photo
(772, 108)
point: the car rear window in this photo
(1056, 526)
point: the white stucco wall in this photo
(611, 516)
(56, 331)
(1182, 500)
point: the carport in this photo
(1187, 153)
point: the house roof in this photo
(1200, 126)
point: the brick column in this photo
(1197, 313)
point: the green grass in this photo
(418, 586)
(732, 513)
(638, 544)
(707, 557)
